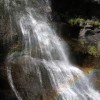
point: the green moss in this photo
(15, 47)
(92, 50)
(98, 45)
(81, 42)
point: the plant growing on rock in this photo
(92, 50)
(81, 22)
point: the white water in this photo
(44, 54)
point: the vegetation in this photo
(92, 50)
(82, 21)
(15, 48)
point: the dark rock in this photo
(31, 78)
(95, 78)
(71, 8)
(97, 30)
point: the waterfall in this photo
(41, 70)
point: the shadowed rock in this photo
(31, 79)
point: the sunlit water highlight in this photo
(44, 57)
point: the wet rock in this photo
(31, 78)
(96, 78)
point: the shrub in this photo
(81, 21)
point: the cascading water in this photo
(42, 71)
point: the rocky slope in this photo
(84, 51)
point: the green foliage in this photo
(92, 50)
(76, 21)
(81, 22)
(97, 23)
(91, 22)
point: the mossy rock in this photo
(92, 50)
(98, 45)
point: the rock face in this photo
(89, 35)
(5, 90)
(30, 78)
(90, 39)
(95, 78)
(67, 8)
